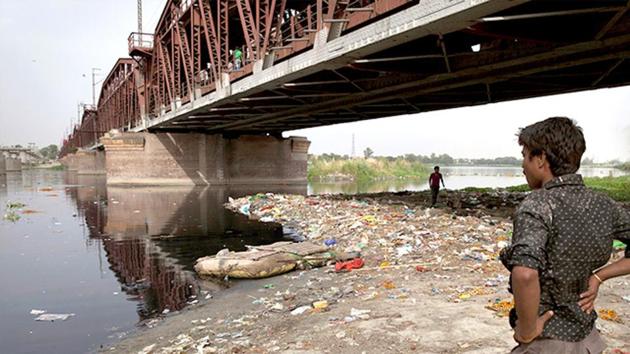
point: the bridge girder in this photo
(313, 63)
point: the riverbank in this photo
(617, 188)
(624, 166)
(363, 170)
(431, 283)
(53, 166)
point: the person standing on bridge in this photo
(434, 184)
(238, 58)
(562, 239)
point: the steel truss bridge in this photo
(309, 63)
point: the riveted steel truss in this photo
(493, 51)
(196, 43)
(118, 105)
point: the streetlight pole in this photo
(139, 16)
(79, 111)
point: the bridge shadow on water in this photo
(152, 236)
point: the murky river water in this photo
(112, 256)
(117, 257)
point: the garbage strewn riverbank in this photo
(430, 283)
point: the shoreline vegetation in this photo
(324, 169)
(618, 188)
(336, 168)
(624, 166)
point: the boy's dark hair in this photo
(436, 168)
(560, 139)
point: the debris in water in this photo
(12, 209)
(51, 317)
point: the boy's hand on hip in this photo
(587, 298)
(521, 335)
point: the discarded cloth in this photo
(349, 265)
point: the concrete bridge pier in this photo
(70, 162)
(90, 162)
(202, 159)
(13, 164)
(3, 165)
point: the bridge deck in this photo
(343, 66)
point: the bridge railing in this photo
(89, 107)
(184, 5)
(139, 40)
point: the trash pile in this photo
(497, 202)
(387, 232)
(409, 270)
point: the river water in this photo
(115, 257)
(455, 177)
(118, 257)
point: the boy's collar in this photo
(565, 180)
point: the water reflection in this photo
(151, 236)
(112, 256)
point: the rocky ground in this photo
(431, 283)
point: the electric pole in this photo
(353, 148)
(94, 70)
(139, 16)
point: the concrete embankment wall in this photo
(201, 159)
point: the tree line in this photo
(433, 159)
(446, 159)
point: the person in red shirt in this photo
(434, 184)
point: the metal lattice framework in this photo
(428, 55)
(195, 39)
(118, 105)
(85, 134)
(193, 47)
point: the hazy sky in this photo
(486, 131)
(48, 47)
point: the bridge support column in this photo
(70, 162)
(3, 164)
(13, 164)
(90, 162)
(201, 159)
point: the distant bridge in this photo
(24, 154)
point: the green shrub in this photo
(617, 188)
(364, 169)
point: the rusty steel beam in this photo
(210, 34)
(249, 25)
(190, 50)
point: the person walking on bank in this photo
(434, 184)
(562, 239)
